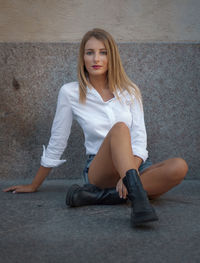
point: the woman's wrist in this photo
(33, 187)
(138, 161)
(40, 177)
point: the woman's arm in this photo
(138, 133)
(60, 130)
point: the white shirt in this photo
(96, 117)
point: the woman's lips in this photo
(96, 67)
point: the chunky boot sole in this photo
(140, 218)
(70, 193)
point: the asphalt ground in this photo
(39, 227)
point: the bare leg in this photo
(161, 177)
(115, 157)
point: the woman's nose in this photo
(96, 57)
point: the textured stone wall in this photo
(32, 74)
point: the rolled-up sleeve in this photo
(138, 131)
(60, 132)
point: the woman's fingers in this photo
(20, 189)
(124, 191)
(11, 189)
(121, 189)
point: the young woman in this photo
(108, 107)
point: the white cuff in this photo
(47, 162)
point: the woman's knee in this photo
(120, 127)
(178, 169)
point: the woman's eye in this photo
(89, 52)
(104, 52)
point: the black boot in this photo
(91, 195)
(142, 210)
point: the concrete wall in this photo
(127, 20)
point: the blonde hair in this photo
(116, 76)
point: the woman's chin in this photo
(97, 73)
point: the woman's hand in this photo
(29, 188)
(121, 189)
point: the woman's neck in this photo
(99, 82)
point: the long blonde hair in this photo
(116, 76)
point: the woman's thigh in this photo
(102, 172)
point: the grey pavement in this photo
(39, 227)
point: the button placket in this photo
(111, 116)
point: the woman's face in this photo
(95, 57)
